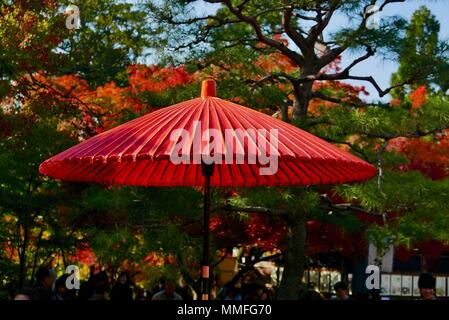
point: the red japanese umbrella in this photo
(207, 142)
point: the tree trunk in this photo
(22, 263)
(303, 95)
(284, 111)
(36, 255)
(22, 250)
(294, 257)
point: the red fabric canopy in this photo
(138, 152)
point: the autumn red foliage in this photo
(418, 97)
(156, 79)
(258, 230)
(84, 255)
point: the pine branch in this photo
(332, 54)
(291, 31)
(250, 209)
(413, 134)
(319, 95)
(329, 204)
(353, 147)
(377, 87)
(322, 22)
(252, 21)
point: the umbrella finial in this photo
(208, 88)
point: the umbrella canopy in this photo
(142, 152)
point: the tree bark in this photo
(294, 257)
(22, 250)
(303, 95)
(284, 111)
(36, 255)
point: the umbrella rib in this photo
(146, 174)
(299, 172)
(116, 133)
(330, 150)
(196, 172)
(141, 133)
(165, 165)
(129, 167)
(108, 175)
(181, 170)
(225, 174)
(253, 169)
(291, 180)
(331, 175)
(206, 112)
(252, 114)
(317, 173)
(225, 120)
(220, 128)
(309, 143)
(238, 178)
(91, 143)
(95, 168)
(247, 169)
(66, 169)
(197, 118)
(348, 176)
(252, 118)
(187, 120)
(167, 130)
(237, 120)
(315, 178)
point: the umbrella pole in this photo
(207, 170)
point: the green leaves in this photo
(28, 36)
(415, 206)
(422, 56)
(386, 39)
(113, 35)
(435, 113)
(381, 121)
(290, 199)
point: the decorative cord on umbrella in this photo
(380, 173)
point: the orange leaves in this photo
(395, 102)
(118, 98)
(276, 62)
(84, 255)
(158, 259)
(156, 79)
(81, 110)
(418, 97)
(427, 152)
(342, 92)
(154, 259)
(428, 157)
